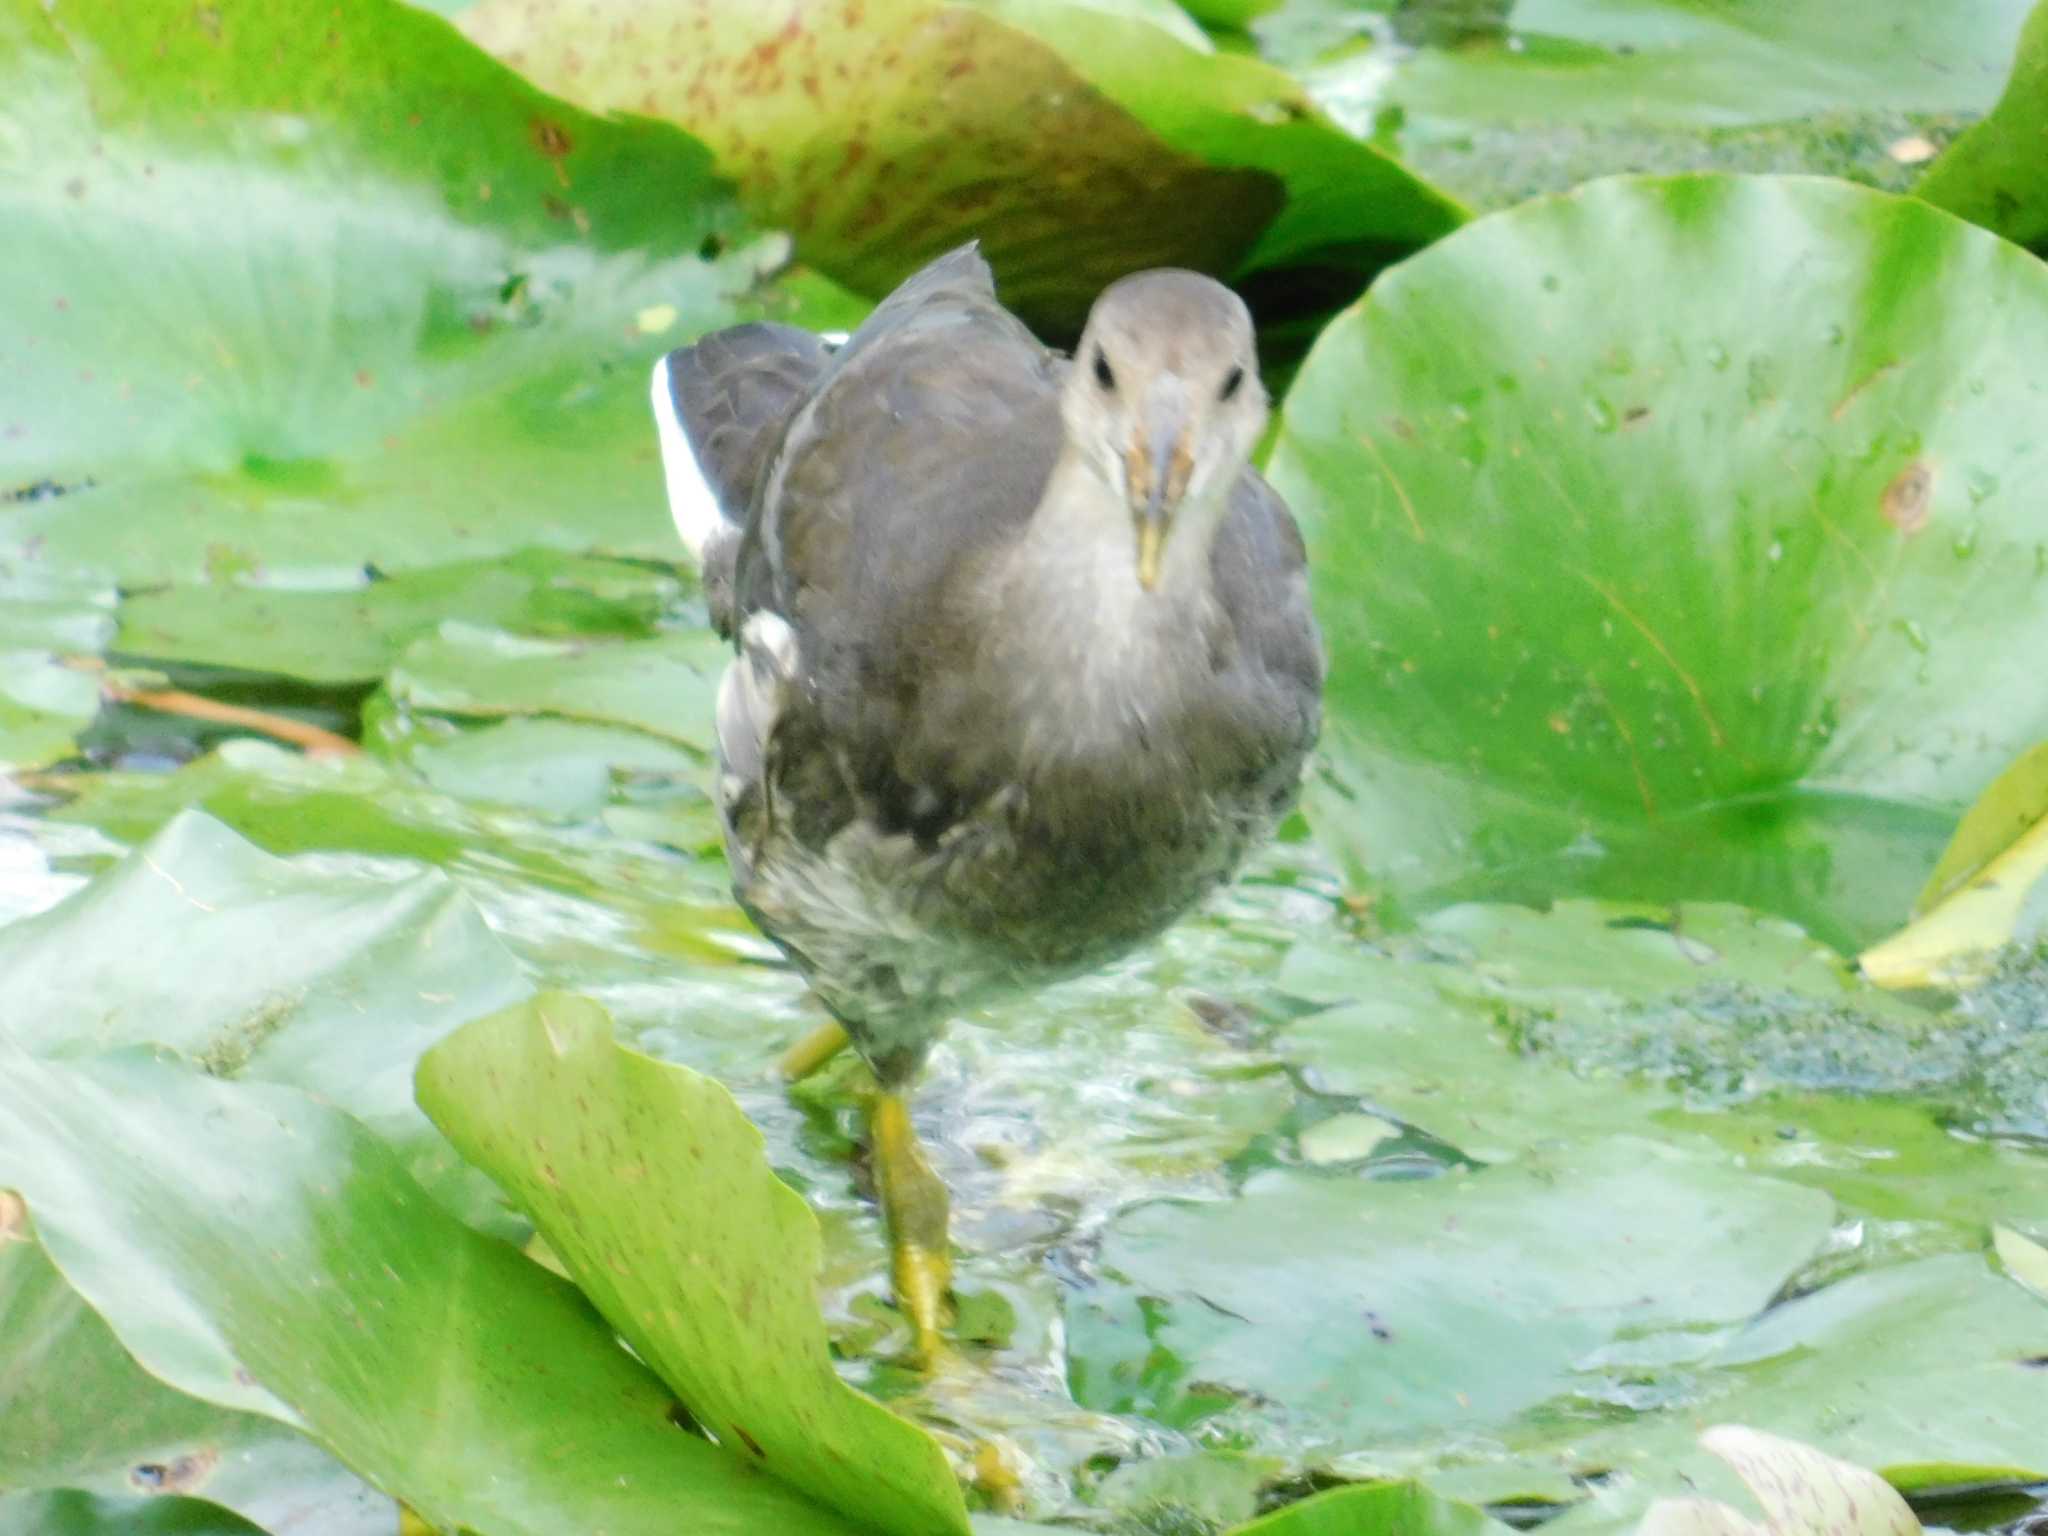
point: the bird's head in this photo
(1164, 404)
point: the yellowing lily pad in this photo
(649, 1184)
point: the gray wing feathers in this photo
(1260, 568)
(924, 449)
(722, 407)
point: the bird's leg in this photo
(814, 1050)
(915, 1206)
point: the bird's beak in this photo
(1158, 465)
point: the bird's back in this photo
(926, 444)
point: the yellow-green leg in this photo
(814, 1050)
(915, 1206)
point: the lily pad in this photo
(1937, 1356)
(591, 893)
(264, 1253)
(45, 621)
(178, 946)
(77, 1413)
(580, 724)
(1918, 1186)
(1670, 540)
(71, 1512)
(1502, 100)
(649, 1183)
(1994, 175)
(662, 685)
(1381, 1509)
(1078, 141)
(1388, 1315)
(310, 299)
(566, 768)
(354, 635)
(1501, 1029)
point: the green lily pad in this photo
(1938, 1359)
(178, 946)
(1502, 1029)
(649, 1183)
(70, 1512)
(663, 685)
(1348, 1313)
(45, 620)
(1670, 539)
(1502, 100)
(346, 636)
(77, 1413)
(1228, 13)
(610, 895)
(1219, 1487)
(1924, 1187)
(1380, 1509)
(44, 706)
(1993, 175)
(1077, 141)
(255, 1249)
(308, 301)
(566, 768)
(581, 723)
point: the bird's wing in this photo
(722, 406)
(925, 447)
(1260, 569)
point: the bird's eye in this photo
(1102, 374)
(1231, 381)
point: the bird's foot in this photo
(914, 1204)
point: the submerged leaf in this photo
(649, 1184)
(1937, 1356)
(1386, 1313)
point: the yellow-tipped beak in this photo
(1151, 540)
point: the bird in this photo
(1024, 658)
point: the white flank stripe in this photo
(690, 500)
